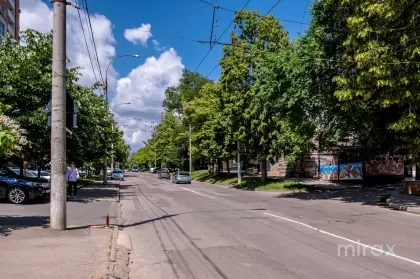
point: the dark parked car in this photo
(164, 173)
(19, 190)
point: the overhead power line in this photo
(93, 39)
(272, 8)
(235, 12)
(307, 23)
(208, 52)
(303, 16)
(87, 47)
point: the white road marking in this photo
(346, 239)
(196, 192)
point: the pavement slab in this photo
(31, 250)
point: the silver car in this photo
(181, 177)
(117, 175)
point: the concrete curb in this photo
(119, 256)
(392, 204)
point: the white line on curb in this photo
(196, 192)
(346, 239)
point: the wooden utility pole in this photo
(58, 119)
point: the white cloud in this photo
(144, 88)
(157, 46)
(139, 35)
(35, 14)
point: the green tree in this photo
(25, 87)
(249, 110)
(204, 113)
(189, 87)
(382, 53)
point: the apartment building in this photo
(9, 18)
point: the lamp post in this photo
(112, 154)
(112, 144)
(105, 177)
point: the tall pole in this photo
(112, 148)
(190, 153)
(105, 173)
(58, 119)
(105, 176)
(238, 163)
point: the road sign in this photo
(71, 112)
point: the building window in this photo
(2, 29)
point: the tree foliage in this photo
(352, 77)
(25, 87)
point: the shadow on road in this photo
(148, 221)
(10, 223)
(362, 196)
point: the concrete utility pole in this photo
(238, 163)
(58, 119)
(190, 153)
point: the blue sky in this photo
(134, 27)
(192, 19)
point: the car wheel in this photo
(17, 195)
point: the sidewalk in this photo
(404, 202)
(31, 250)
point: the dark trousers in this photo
(72, 184)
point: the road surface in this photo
(210, 231)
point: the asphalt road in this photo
(209, 231)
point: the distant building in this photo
(9, 18)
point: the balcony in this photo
(11, 30)
(11, 15)
(11, 4)
(3, 14)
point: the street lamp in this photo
(112, 144)
(105, 177)
(107, 68)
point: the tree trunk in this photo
(227, 167)
(263, 167)
(219, 166)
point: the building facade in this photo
(9, 18)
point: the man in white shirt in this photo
(72, 177)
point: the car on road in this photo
(108, 171)
(164, 173)
(134, 168)
(181, 177)
(19, 190)
(117, 175)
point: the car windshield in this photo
(44, 173)
(183, 173)
(117, 171)
(29, 173)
